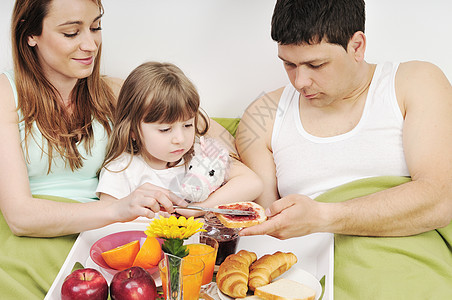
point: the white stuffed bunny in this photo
(207, 170)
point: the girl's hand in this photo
(145, 201)
(190, 213)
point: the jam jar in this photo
(227, 238)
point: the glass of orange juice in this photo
(192, 272)
(205, 250)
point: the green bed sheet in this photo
(28, 266)
(414, 267)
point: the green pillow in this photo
(230, 124)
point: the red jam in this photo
(227, 237)
(240, 207)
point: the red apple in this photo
(133, 283)
(84, 284)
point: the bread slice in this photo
(236, 221)
(285, 289)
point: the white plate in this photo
(295, 274)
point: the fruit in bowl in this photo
(133, 283)
(84, 283)
(121, 250)
(122, 257)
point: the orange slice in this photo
(122, 257)
(149, 254)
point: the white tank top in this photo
(311, 165)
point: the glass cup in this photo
(192, 272)
(205, 250)
(227, 238)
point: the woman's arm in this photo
(146, 200)
(28, 216)
(24, 214)
(116, 187)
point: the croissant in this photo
(232, 276)
(268, 267)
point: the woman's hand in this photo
(145, 201)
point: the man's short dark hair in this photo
(312, 21)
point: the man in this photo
(343, 119)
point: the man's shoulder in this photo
(417, 65)
(260, 116)
(276, 94)
(415, 76)
(272, 96)
(412, 71)
(266, 104)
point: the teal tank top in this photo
(80, 184)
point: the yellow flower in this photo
(173, 228)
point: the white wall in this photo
(224, 46)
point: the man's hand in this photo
(291, 216)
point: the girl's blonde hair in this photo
(153, 92)
(38, 99)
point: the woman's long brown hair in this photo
(38, 99)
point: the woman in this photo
(63, 111)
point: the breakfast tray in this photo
(315, 254)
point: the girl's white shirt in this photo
(120, 178)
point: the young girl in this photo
(157, 121)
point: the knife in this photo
(236, 212)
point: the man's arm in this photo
(425, 203)
(253, 142)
